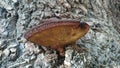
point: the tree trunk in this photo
(102, 41)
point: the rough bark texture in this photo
(102, 41)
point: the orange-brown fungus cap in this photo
(56, 34)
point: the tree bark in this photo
(102, 40)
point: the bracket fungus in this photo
(57, 34)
